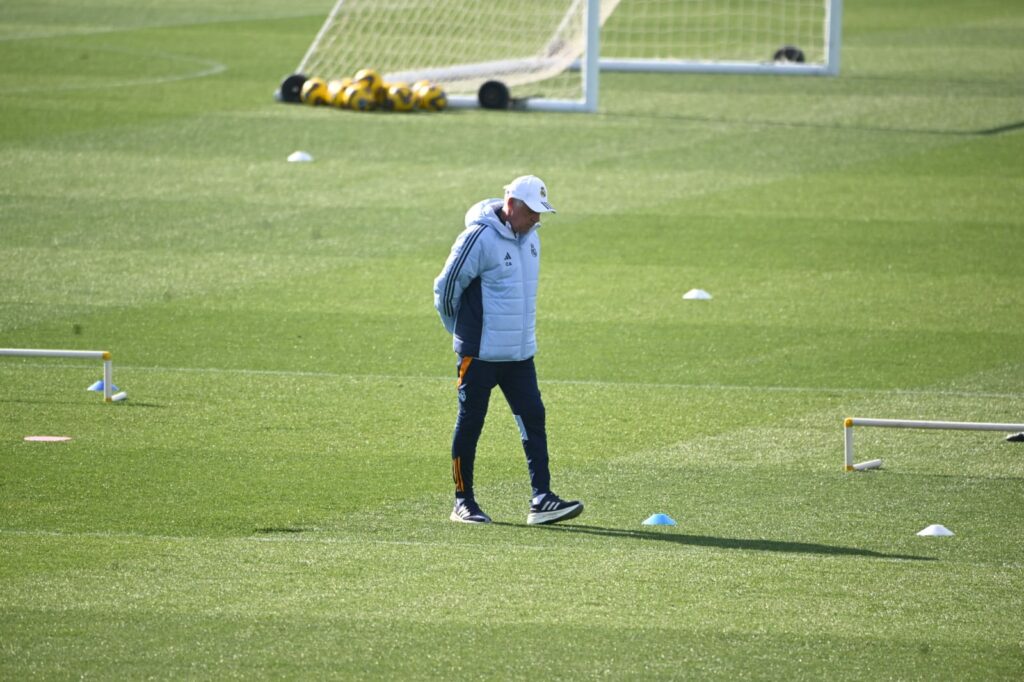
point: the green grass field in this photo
(272, 499)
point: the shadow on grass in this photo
(75, 403)
(726, 543)
(272, 530)
(1009, 127)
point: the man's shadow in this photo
(757, 545)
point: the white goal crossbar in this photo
(108, 364)
(851, 422)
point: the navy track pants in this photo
(518, 381)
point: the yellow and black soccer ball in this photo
(336, 91)
(360, 97)
(314, 92)
(431, 97)
(399, 98)
(371, 78)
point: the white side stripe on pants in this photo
(522, 427)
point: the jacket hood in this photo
(486, 213)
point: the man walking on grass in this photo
(487, 298)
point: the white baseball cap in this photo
(530, 190)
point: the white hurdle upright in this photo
(850, 422)
(108, 364)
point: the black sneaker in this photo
(1016, 437)
(468, 511)
(552, 508)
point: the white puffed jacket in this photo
(486, 294)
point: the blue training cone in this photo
(659, 520)
(98, 387)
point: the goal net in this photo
(528, 45)
(546, 52)
(738, 36)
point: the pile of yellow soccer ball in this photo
(367, 91)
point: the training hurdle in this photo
(108, 364)
(850, 422)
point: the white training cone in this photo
(936, 530)
(659, 520)
(696, 295)
(300, 157)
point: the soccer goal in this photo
(106, 385)
(850, 422)
(547, 54)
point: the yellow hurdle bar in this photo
(850, 422)
(108, 365)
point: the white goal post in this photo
(850, 422)
(103, 355)
(547, 54)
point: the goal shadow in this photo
(755, 545)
